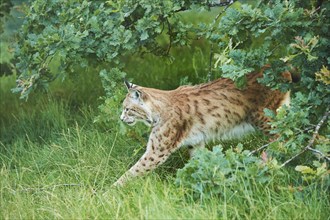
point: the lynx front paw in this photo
(119, 183)
(123, 179)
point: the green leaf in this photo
(305, 169)
(144, 35)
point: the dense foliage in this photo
(214, 173)
(67, 34)
(58, 37)
(220, 174)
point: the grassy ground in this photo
(56, 163)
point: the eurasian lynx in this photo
(194, 115)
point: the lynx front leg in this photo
(158, 150)
(162, 142)
(149, 161)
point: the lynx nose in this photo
(122, 117)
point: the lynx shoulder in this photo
(195, 115)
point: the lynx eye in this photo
(126, 109)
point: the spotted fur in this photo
(194, 115)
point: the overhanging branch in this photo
(211, 5)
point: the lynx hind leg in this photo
(261, 121)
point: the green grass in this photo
(56, 163)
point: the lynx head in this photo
(135, 107)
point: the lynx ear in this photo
(128, 85)
(136, 94)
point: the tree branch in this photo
(312, 140)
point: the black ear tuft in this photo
(128, 85)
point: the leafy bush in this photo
(58, 36)
(215, 173)
(223, 174)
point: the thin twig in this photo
(318, 152)
(209, 75)
(221, 4)
(170, 36)
(312, 140)
(227, 4)
(260, 148)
